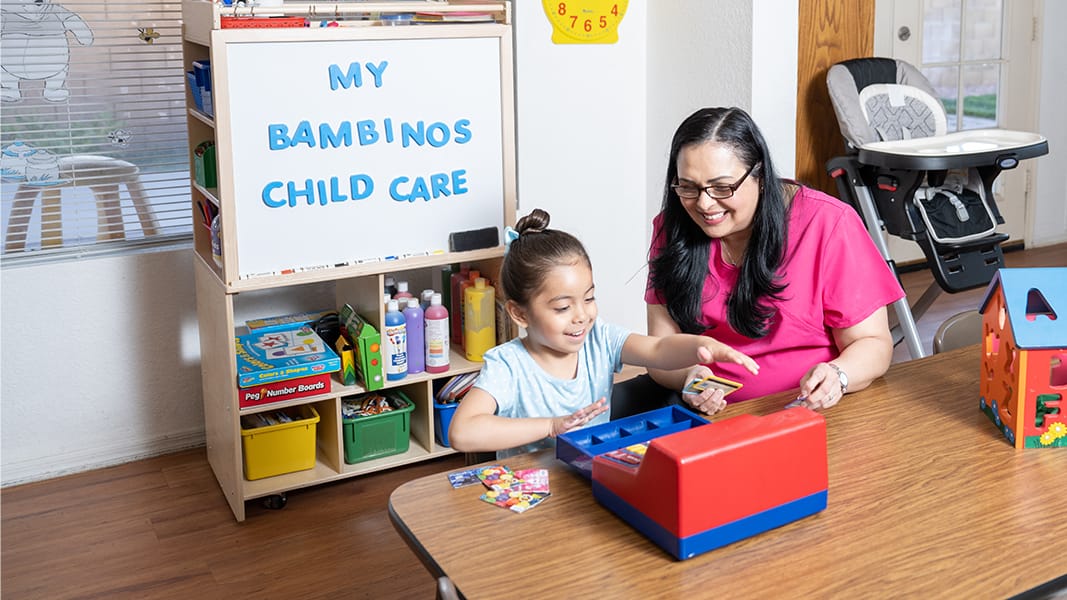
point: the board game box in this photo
(276, 391)
(281, 355)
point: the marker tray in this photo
(577, 448)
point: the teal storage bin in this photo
(383, 434)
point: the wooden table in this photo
(926, 499)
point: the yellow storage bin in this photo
(283, 448)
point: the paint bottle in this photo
(437, 334)
(424, 299)
(455, 308)
(462, 315)
(386, 297)
(413, 321)
(402, 293)
(395, 343)
(390, 285)
(479, 322)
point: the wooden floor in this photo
(160, 528)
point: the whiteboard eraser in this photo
(461, 241)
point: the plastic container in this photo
(479, 322)
(424, 298)
(216, 241)
(395, 342)
(402, 292)
(283, 448)
(413, 321)
(456, 307)
(383, 434)
(442, 419)
(578, 447)
(436, 334)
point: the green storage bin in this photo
(383, 434)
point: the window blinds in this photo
(93, 127)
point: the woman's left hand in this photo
(820, 387)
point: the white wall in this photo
(580, 111)
(100, 356)
(100, 363)
(1050, 187)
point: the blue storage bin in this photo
(194, 89)
(442, 418)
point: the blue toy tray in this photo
(577, 448)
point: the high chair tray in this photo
(973, 148)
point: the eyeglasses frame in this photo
(707, 189)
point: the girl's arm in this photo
(670, 355)
(866, 352)
(475, 427)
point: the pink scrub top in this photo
(835, 278)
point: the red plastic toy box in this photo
(707, 486)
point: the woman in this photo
(780, 272)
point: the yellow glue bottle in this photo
(479, 319)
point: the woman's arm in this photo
(475, 427)
(866, 350)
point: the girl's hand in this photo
(711, 400)
(713, 350)
(561, 425)
(820, 387)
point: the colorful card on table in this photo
(497, 477)
(711, 381)
(514, 499)
(532, 480)
(464, 478)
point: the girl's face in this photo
(713, 164)
(559, 316)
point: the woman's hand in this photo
(709, 401)
(820, 387)
(561, 425)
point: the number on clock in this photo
(585, 21)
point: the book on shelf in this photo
(454, 389)
(264, 357)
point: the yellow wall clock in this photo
(585, 21)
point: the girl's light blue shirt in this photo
(522, 388)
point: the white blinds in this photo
(92, 129)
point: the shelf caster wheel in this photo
(275, 502)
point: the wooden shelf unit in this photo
(219, 290)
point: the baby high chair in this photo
(910, 178)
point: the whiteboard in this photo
(346, 151)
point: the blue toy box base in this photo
(716, 537)
(442, 421)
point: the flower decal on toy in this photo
(1057, 430)
(35, 47)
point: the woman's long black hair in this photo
(682, 266)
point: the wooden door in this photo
(830, 31)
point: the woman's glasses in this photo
(719, 191)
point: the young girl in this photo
(559, 376)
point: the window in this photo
(93, 128)
(963, 58)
